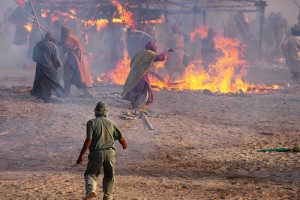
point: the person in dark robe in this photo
(251, 52)
(137, 88)
(19, 18)
(47, 59)
(76, 69)
(208, 48)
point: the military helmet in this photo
(101, 109)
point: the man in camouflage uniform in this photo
(101, 134)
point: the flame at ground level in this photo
(224, 75)
(119, 74)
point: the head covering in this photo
(211, 32)
(151, 46)
(175, 28)
(65, 32)
(101, 109)
(295, 30)
(49, 35)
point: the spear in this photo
(138, 31)
(150, 36)
(36, 19)
(297, 4)
(182, 52)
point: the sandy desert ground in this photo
(203, 146)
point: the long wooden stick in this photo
(36, 19)
(145, 118)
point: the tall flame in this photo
(223, 76)
(119, 74)
(125, 16)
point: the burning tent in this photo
(120, 19)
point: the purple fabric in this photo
(161, 57)
(145, 82)
(138, 90)
(151, 46)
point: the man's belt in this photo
(110, 148)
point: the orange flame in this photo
(65, 16)
(100, 23)
(160, 83)
(125, 16)
(202, 32)
(160, 64)
(223, 76)
(54, 18)
(73, 11)
(28, 27)
(44, 13)
(155, 21)
(119, 74)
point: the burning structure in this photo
(114, 30)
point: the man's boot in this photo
(89, 195)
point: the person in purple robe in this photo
(137, 88)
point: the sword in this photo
(73, 166)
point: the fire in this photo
(66, 15)
(156, 21)
(125, 16)
(71, 15)
(119, 74)
(116, 20)
(202, 32)
(28, 27)
(100, 23)
(54, 18)
(73, 11)
(44, 13)
(160, 64)
(160, 83)
(223, 76)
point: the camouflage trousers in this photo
(97, 160)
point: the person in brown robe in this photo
(291, 52)
(174, 65)
(76, 69)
